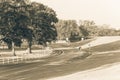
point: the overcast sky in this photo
(101, 11)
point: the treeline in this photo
(72, 29)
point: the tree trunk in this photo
(9, 46)
(13, 49)
(44, 45)
(29, 47)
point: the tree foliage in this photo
(14, 18)
(86, 29)
(66, 28)
(21, 19)
(89, 28)
(43, 19)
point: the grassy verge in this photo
(72, 44)
(106, 47)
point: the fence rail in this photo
(11, 60)
(24, 57)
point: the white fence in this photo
(11, 60)
(23, 58)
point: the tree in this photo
(14, 19)
(43, 19)
(22, 20)
(83, 31)
(88, 28)
(65, 28)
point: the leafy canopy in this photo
(20, 19)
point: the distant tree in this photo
(83, 31)
(66, 28)
(105, 30)
(88, 28)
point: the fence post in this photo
(13, 60)
(17, 59)
(8, 61)
(3, 60)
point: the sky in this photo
(100, 11)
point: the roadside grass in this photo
(71, 44)
(106, 47)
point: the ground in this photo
(69, 64)
(106, 72)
